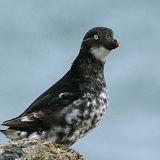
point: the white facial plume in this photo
(100, 53)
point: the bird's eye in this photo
(108, 37)
(96, 37)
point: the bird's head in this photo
(99, 41)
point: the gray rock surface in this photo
(37, 150)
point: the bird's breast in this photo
(80, 117)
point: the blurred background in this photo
(40, 39)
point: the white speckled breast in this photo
(83, 121)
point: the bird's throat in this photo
(87, 66)
(100, 53)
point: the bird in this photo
(75, 104)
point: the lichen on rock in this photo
(37, 150)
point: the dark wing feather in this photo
(39, 112)
(63, 93)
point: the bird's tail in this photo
(11, 134)
(3, 131)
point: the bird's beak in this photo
(112, 45)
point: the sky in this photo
(39, 41)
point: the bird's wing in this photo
(48, 103)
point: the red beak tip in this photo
(117, 45)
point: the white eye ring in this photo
(96, 37)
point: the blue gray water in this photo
(40, 39)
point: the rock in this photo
(37, 150)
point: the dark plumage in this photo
(76, 103)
